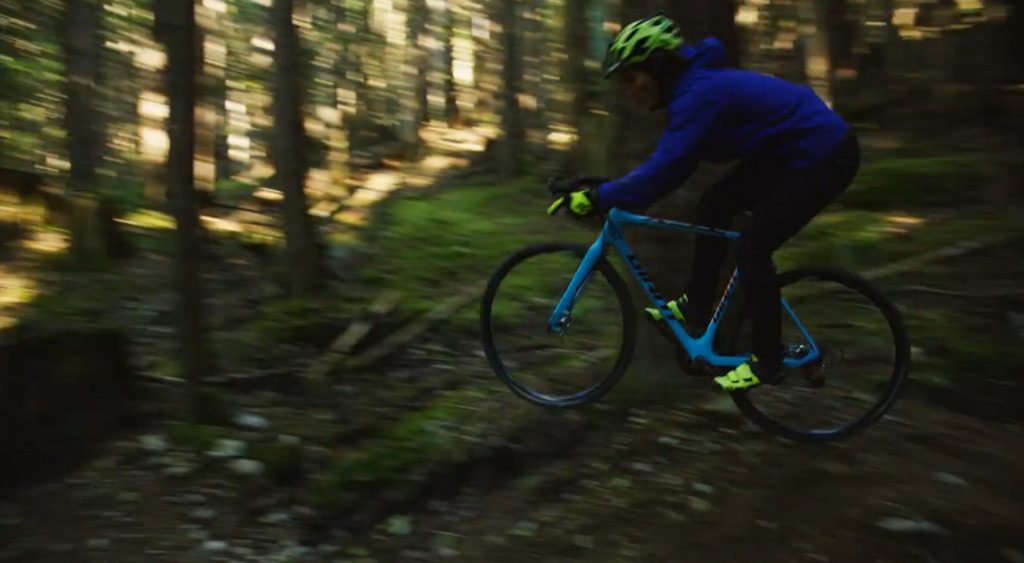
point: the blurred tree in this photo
(634, 129)
(176, 28)
(32, 75)
(511, 142)
(81, 49)
(421, 39)
(451, 108)
(209, 111)
(841, 31)
(816, 48)
(880, 38)
(532, 51)
(485, 53)
(576, 42)
(303, 257)
(90, 220)
(337, 136)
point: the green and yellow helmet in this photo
(639, 39)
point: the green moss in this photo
(123, 195)
(284, 320)
(418, 440)
(859, 239)
(289, 321)
(903, 183)
(434, 247)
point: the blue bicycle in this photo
(559, 328)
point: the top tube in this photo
(619, 218)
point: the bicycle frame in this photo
(700, 348)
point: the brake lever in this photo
(558, 204)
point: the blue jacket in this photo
(718, 114)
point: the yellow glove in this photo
(581, 204)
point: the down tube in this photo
(579, 281)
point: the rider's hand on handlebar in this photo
(580, 194)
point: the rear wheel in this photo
(571, 367)
(863, 363)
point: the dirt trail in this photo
(673, 485)
(682, 483)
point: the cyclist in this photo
(795, 157)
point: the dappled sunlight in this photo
(47, 242)
(466, 139)
(440, 163)
(353, 217)
(562, 139)
(269, 234)
(147, 219)
(747, 15)
(376, 187)
(419, 180)
(901, 224)
(323, 208)
(221, 224)
(268, 195)
(15, 290)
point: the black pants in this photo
(782, 202)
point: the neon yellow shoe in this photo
(675, 306)
(743, 377)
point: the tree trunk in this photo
(533, 48)
(511, 142)
(723, 26)
(817, 59)
(634, 129)
(840, 33)
(303, 261)
(873, 67)
(337, 137)
(177, 29)
(451, 108)
(210, 110)
(576, 41)
(81, 49)
(88, 223)
(419, 37)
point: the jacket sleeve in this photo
(676, 157)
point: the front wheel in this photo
(569, 368)
(864, 357)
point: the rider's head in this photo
(645, 54)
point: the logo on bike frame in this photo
(646, 279)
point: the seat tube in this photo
(723, 303)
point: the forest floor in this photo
(425, 456)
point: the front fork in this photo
(561, 318)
